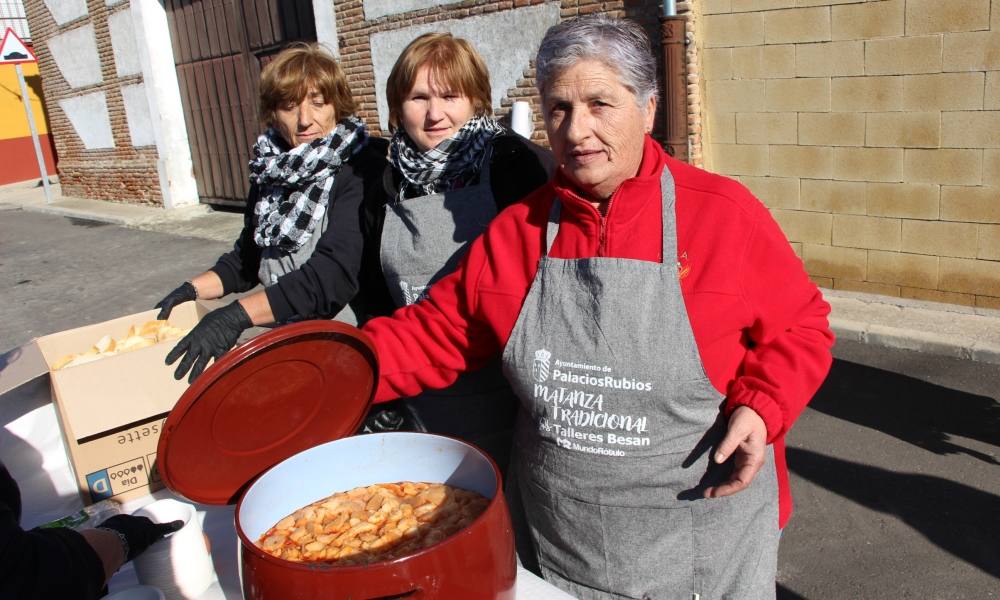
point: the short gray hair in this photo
(620, 44)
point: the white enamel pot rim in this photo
(356, 461)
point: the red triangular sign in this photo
(13, 50)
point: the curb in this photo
(30, 198)
(920, 341)
(53, 209)
(121, 215)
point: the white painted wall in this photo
(140, 123)
(75, 53)
(380, 8)
(507, 40)
(88, 114)
(326, 26)
(64, 11)
(123, 43)
(152, 37)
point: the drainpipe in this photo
(674, 81)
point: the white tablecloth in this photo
(32, 449)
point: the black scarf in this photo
(294, 185)
(453, 162)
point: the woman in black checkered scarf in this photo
(302, 237)
(452, 168)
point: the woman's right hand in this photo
(185, 292)
(123, 537)
(138, 533)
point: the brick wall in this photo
(122, 173)
(355, 50)
(125, 173)
(872, 131)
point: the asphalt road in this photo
(895, 465)
(58, 273)
(895, 471)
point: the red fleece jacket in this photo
(759, 322)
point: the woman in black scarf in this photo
(452, 168)
(302, 237)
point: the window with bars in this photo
(12, 15)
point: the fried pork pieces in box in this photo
(374, 523)
(147, 334)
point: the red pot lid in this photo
(287, 390)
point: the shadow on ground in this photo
(932, 413)
(783, 593)
(957, 518)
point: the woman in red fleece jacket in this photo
(658, 329)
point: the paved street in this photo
(895, 465)
(58, 273)
(896, 475)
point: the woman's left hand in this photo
(212, 337)
(745, 441)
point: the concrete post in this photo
(326, 26)
(152, 36)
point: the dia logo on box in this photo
(117, 479)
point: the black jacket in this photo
(328, 280)
(43, 563)
(517, 168)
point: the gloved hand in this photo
(185, 292)
(210, 338)
(383, 419)
(138, 533)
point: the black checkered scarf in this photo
(294, 186)
(453, 162)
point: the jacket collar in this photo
(628, 201)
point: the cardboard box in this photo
(111, 410)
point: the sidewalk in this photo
(929, 327)
(198, 221)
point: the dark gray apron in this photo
(275, 262)
(614, 434)
(423, 239)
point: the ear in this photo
(650, 112)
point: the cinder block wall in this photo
(872, 131)
(106, 166)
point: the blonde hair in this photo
(452, 61)
(293, 71)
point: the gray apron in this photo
(423, 239)
(275, 262)
(614, 434)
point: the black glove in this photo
(210, 338)
(138, 533)
(185, 292)
(383, 419)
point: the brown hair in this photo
(452, 61)
(293, 71)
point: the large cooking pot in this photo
(268, 427)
